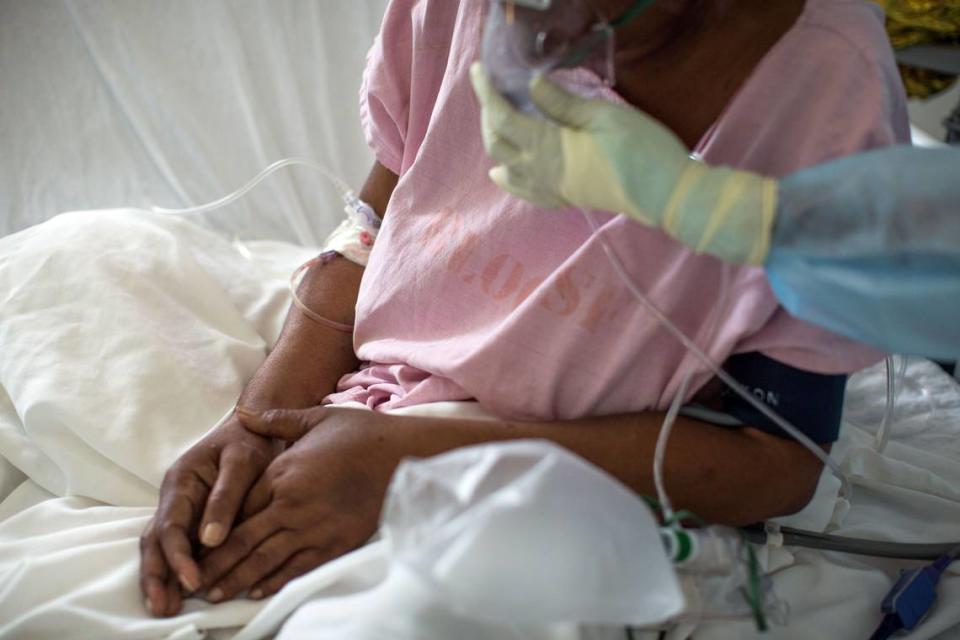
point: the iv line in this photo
(345, 192)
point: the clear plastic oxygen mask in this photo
(524, 38)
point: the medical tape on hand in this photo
(355, 236)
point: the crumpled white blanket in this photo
(911, 493)
(125, 336)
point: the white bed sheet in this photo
(118, 354)
(126, 336)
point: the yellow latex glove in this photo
(599, 155)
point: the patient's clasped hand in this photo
(298, 508)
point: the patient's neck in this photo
(682, 61)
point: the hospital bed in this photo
(174, 104)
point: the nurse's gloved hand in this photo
(594, 154)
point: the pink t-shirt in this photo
(473, 294)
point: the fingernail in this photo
(256, 594)
(213, 534)
(148, 606)
(154, 599)
(243, 411)
(187, 584)
(216, 595)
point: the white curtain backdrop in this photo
(109, 103)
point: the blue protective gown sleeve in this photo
(869, 247)
(892, 201)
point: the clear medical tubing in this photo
(304, 309)
(666, 507)
(660, 453)
(883, 434)
(846, 490)
(856, 546)
(345, 192)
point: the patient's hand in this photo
(318, 500)
(199, 499)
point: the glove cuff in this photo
(723, 212)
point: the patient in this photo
(471, 294)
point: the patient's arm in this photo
(322, 497)
(202, 492)
(310, 358)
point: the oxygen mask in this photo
(523, 38)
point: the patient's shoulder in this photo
(829, 88)
(427, 24)
(406, 71)
(854, 25)
(853, 61)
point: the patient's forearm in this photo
(728, 476)
(310, 358)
